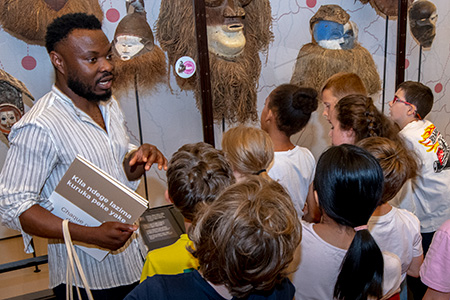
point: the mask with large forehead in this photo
(422, 21)
(234, 43)
(133, 37)
(138, 61)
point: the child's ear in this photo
(316, 198)
(412, 110)
(270, 115)
(351, 135)
(167, 197)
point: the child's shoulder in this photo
(407, 216)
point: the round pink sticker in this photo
(190, 68)
(112, 15)
(29, 63)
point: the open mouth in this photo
(235, 27)
(105, 82)
(125, 57)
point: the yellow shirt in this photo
(172, 259)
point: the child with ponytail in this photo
(339, 259)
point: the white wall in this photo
(172, 119)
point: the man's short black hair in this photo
(61, 27)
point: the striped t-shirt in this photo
(44, 142)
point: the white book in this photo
(86, 195)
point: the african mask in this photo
(422, 21)
(334, 48)
(332, 29)
(237, 31)
(13, 95)
(138, 61)
(7, 118)
(28, 19)
(133, 36)
(225, 27)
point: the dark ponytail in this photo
(361, 272)
(349, 184)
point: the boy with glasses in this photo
(431, 188)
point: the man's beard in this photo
(85, 91)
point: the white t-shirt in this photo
(294, 170)
(320, 263)
(398, 232)
(431, 189)
(405, 198)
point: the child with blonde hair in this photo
(249, 151)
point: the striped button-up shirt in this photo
(44, 143)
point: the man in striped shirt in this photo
(78, 116)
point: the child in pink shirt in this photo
(435, 270)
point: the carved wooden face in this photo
(133, 37)
(422, 21)
(225, 27)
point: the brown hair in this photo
(247, 237)
(292, 106)
(343, 84)
(418, 94)
(196, 174)
(397, 162)
(248, 149)
(358, 112)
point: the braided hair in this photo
(358, 112)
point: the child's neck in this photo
(382, 210)
(330, 231)
(280, 141)
(221, 289)
(406, 122)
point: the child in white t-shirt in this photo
(395, 230)
(431, 188)
(286, 111)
